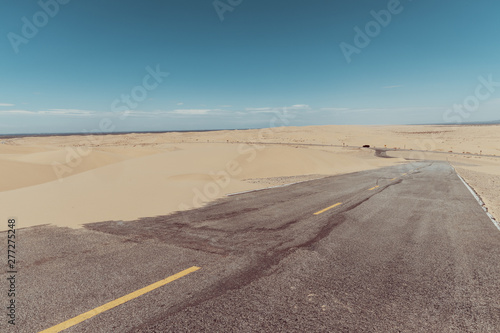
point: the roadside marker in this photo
(327, 208)
(89, 314)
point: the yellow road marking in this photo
(327, 208)
(118, 301)
(404, 174)
(394, 178)
(374, 187)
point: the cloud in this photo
(180, 103)
(300, 107)
(133, 113)
(143, 114)
(6, 112)
(191, 111)
(50, 112)
(6, 104)
(384, 110)
(127, 113)
(284, 109)
(177, 112)
(334, 109)
(66, 112)
(259, 109)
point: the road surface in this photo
(398, 249)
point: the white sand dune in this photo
(41, 167)
(162, 183)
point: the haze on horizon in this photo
(176, 65)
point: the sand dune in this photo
(164, 182)
(69, 181)
(40, 167)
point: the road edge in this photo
(478, 199)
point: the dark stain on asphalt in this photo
(211, 229)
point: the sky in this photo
(104, 66)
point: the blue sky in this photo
(263, 57)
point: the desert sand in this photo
(72, 180)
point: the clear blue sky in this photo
(263, 56)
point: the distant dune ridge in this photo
(59, 180)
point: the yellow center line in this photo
(327, 208)
(84, 316)
(394, 178)
(404, 174)
(374, 187)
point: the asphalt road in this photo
(400, 249)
